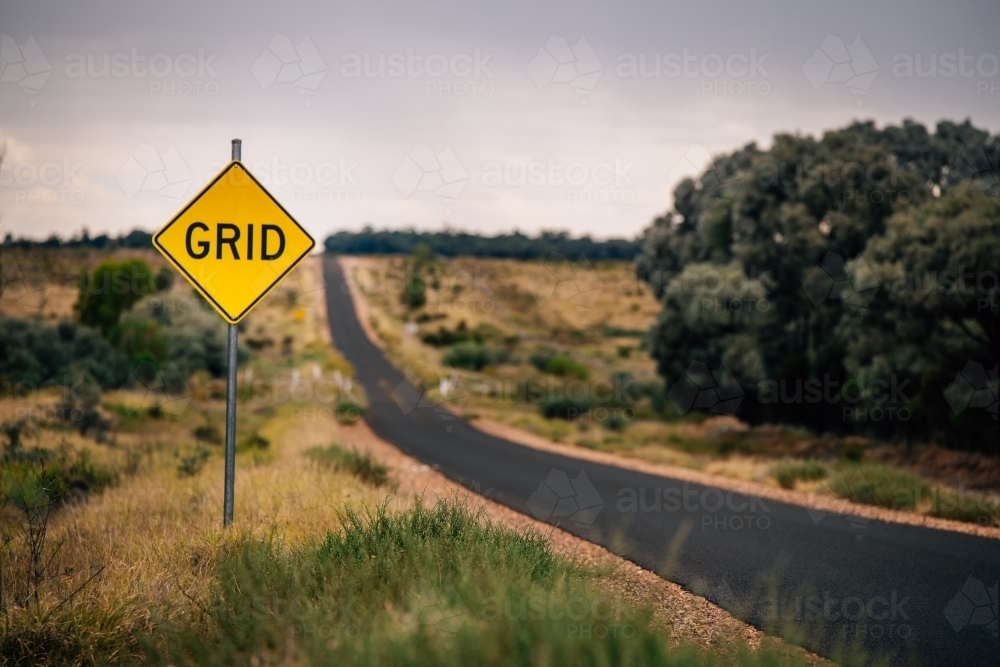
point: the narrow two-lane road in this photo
(895, 591)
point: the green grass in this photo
(788, 472)
(362, 466)
(876, 484)
(472, 356)
(970, 506)
(428, 586)
(563, 366)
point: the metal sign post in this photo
(227, 503)
(234, 243)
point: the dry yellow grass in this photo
(142, 552)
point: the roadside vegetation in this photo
(434, 585)
(111, 549)
(362, 466)
(111, 413)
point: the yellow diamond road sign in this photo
(234, 242)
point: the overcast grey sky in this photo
(486, 116)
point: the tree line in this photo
(502, 246)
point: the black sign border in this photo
(235, 164)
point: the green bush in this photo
(255, 441)
(28, 473)
(444, 337)
(33, 355)
(110, 290)
(208, 433)
(349, 412)
(175, 329)
(615, 421)
(549, 361)
(564, 366)
(472, 356)
(563, 407)
(414, 294)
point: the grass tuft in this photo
(875, 484)
(362, 466)
(788, 472)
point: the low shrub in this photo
(192, 464)
(209, 433)
(563, 407)
(34, 355)
(349, 412)
(548, 361)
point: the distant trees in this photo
(454, 244)
(860, 259)
(134, 239)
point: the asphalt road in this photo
(900, 593)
